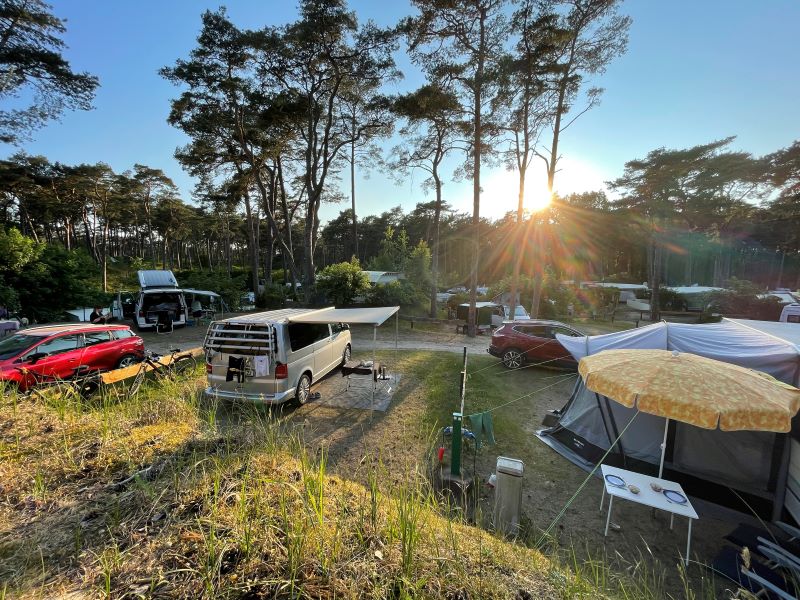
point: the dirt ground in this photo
(400, 441)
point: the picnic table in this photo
(7, 326)
(647, 496)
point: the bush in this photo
(342, 282)
(395, 293)
(56, 281)
(556, 297)
(742, 298)
(272, 296)
(672, 300)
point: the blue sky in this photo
(694, 72)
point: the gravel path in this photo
(440, 339)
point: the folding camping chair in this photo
(785, 536)
(761, 579)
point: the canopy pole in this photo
(396, 344)
(374, 345)
(663, 449)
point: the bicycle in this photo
(76, 388)
(179, 364)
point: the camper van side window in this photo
(305, 334)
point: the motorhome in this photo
(266, 358)
(160, 303)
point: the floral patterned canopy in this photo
(689, 388)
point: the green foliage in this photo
(394, 293)
(671, 300)
(394, 251)
(34, 68)
(742, 298)
(57, 281)
(456, 299)
(397, 254)
(342, 282)
(417, 267)
(17, 250)
(556, 297)
(272, 296)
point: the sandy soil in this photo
(398, 440)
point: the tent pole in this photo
(663, 449)
(396, 335)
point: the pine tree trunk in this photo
(437, 211)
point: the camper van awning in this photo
(365, 316)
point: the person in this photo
(3, 312)
(97, 316)
(197, 309)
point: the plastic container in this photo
(508, 494)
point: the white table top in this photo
(646, 494)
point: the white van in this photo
(790, 313)
(160, 300)
(266, 359)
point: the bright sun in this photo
(501, 190)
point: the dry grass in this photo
(152, 498)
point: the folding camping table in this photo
(357, 367)
(648, 497)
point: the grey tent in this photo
(706, 462)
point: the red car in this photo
(62, 351)
(532, 341)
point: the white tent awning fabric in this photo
(364, 316)
(736, 342)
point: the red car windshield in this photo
(17, 344)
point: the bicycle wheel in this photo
(183, 365)
(133, 388)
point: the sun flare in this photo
(501, 193)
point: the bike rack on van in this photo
(241, 338)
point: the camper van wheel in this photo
(303, 389)
(346, 355)
(512, 358)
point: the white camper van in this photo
(265, 358)
(790, 313)
(160, 303)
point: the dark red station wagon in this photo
(532, 341)
(54, 352)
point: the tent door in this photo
(614, 429)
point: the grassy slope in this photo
(155, 497)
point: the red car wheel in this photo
(512, 358)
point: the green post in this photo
(455, 454)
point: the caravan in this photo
(160, 303)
